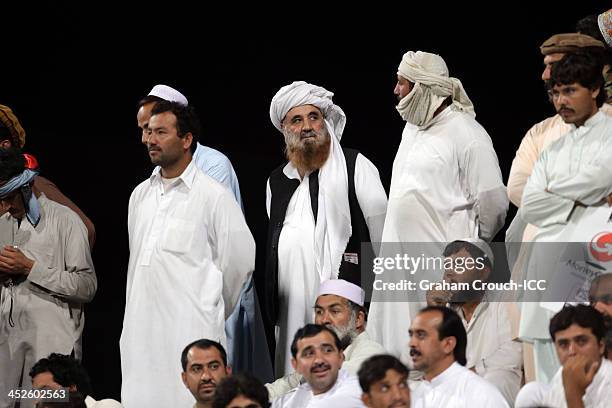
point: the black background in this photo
(73, 74)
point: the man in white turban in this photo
(446, 183)
(322, 205)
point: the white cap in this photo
(340, 287)
(169, 94)
(483, 246)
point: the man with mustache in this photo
(204, 365)
(446, 182)
(340, 307)
(190, 254)
(491, 351)
(572, 173)
(437, 347)
(322, 205)
(317, 356)
(384, 382)
(585, 378)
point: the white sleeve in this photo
(371, 196)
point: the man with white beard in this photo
(323, 204)
(446, 183)
(340, 307)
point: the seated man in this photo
(585, 378)
(58, 370)
(204, 366)
(491, 352)
(384, 382)
(46, 275)
(241, 390)
(437, 347)
(317, 356)
(600, 296)
(339, 306)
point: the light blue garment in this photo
(217, 165)
(24, 181)
(247, 347)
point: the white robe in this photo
(457, 387)
(190, 254)
(299, 273)
(490, 348)
(576, 167)
(597, 395)
(446, 185)
(345, 393)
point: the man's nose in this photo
(546, 73)
(396, 90)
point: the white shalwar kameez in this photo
(446, 185)
(190, 254)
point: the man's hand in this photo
(438, 297)
(609, 200)
(14, 262)
(578, 373)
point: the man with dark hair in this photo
(384, 382)
(491, 351)
(204, 365)
(571, 179)
(340, 307)
(46, 275)
(585, 378)
(12, 134)
(600, 297)
(437, 347)
(58, 370)
(317, 356)
(241, 390)
(190, 254)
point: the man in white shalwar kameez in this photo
(446, 182)
(437, 347)
(574, 172)
(190, 254)
(585, 379)
(46, 276)
(322, 205)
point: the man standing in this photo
(384, 382)
(322, 205)
(12, 134)
(46, 275)
(204, 365)
(437, 347)
(317, 356)
(190, 254)
(339, 307)
(446, 182)
(573, 172)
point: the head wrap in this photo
(8, 119)
(568, 42)
(301, 93)
(169, 94)
(483, 246)
(23, 182)
(604, 21)
(342, 288)
(333, 227)
(432, 85)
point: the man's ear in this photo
(228, 370)
(365, 398)
(72, 388)
(184, 378)
(449, 344)
(5, 144)
(187, 141)
(294, 364)
(595, 92)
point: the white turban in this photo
(333, 226)
(302, 93)
(432, 86)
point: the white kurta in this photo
(190, 253)
(490, 348)
(597, 395)
(346, 393)
(46, 309)
(446, 185)
(299, 273)
(356, 353)
(457, 387)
